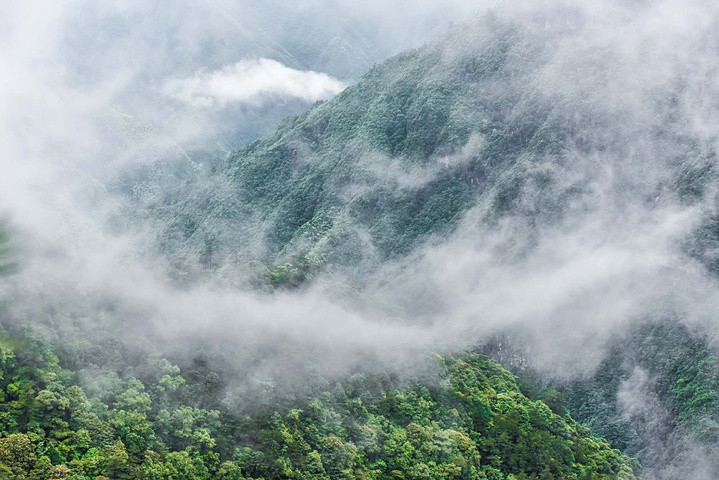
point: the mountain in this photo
(465, 417)
(482, 118)
(539, 121)
(535, 176)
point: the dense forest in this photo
(468, 419)
(492, 257)
(466, 124)
(474, 423)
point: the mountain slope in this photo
(509, 144)
(395, 157)
(503, 119)
(484, 117)
(475, 425)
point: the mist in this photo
(94, 94)
(91, 95)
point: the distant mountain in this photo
(485, 117)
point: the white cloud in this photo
(252, 82)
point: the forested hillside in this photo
(468, 419)
(398, 156)
(480, 119)
(532, 175)
(482, 122)
(475, 423)
(655, 396)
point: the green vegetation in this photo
(384, 166)
(397, 159)
(670, 415)
(473, 424)
(391, 163)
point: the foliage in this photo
(387, 164)
(669, 415)
(474, 424)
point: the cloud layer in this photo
(252, 82)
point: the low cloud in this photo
(252, 82)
